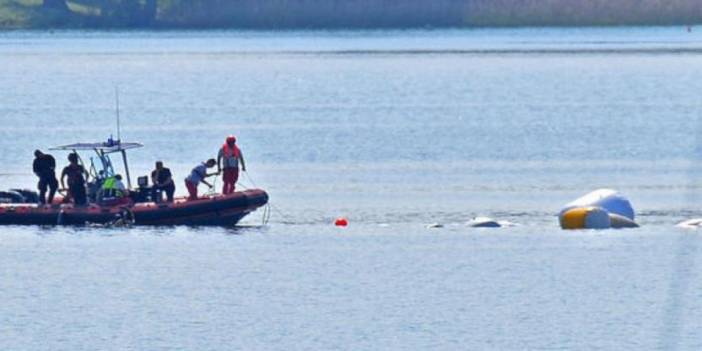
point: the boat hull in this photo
(217, 210)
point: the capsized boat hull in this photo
(217, 210)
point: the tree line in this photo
(369, 13)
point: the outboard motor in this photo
(19, 196)
(30, 196)
(11, 197)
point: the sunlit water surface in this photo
(395, 130)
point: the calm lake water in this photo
(395, 130)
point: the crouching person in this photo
(162, 182)
(197, 176)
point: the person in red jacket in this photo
(228, 161)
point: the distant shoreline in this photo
(334, 28)
(343, 15)
(683, 28)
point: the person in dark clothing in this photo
(76, 175)
(162, 180)
(45, 168)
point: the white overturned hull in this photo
(600, 209)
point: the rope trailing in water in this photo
(250, 180)
(269, 206)
(266, 214)
(213, 189)
(59, 218)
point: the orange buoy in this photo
(341, 222)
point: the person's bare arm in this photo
(241, 159)
(63, 175)
(219, 161)
(35, 167)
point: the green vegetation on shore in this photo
(281, 14)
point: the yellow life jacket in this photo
(110, 188)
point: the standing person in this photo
(76, 175)
(45, 168)
(162, 180)
(231, 155)
(198, 175)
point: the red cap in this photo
(231, 139)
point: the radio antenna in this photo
(119, 138)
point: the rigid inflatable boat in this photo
(216, 209)
(219, 210)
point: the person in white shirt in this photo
(197, 176)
